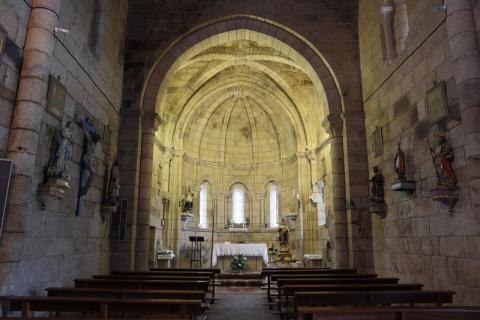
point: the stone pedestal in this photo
(379, 209)
(446, 195)
(108, 209)
(54, 188)
(403, 185)
(284, 255)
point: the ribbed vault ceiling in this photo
(241, 102)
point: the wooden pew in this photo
(370, 298)
(185, 309)
(389, 313)
(201, 271)
(141, 277)
(142, 284)
(268, 272)
(125, 293)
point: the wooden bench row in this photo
(166, 294)
(327, 295)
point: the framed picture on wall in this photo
(378, 141)
(5, 175)
(3, 40)
(437, 103)
(56, 97)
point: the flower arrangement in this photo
(239, 263)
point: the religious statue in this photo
(114, 184)
(442, 156)
(283, 233)
(446, 190)
(377, 201)
(88, 160)
(186, 204)
(58, 167)
(283, 254)
(400, 167)
(376, 188)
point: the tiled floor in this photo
(240, 306)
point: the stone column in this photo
(334, 126)
(387, 10)
(465, 53)
(25, 129)
(150, 124)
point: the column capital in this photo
(333, 124)
(151, 120)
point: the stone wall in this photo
(56, 245)
(418, 240)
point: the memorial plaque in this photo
(55, 98)
(378, 141)
(437, 103)
(5, 174)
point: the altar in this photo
(257, 250)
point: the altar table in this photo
(243, 249)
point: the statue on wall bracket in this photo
(112, 191)
(57, 176)
(377, 195)
(446, 190)
(401, 183)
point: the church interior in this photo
(301, 159)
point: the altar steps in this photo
(240, 279)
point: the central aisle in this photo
(240, 306)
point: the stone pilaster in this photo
(150, 124)
(334, 126)
(465, 52)
(129, 150)
(25, 129)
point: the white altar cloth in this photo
(244, 249)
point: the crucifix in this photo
(88, 165)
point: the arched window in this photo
(273, 196)
(238, 203)
(203, 205)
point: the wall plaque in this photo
(378, 141)
(5, 174)
(437, 103)
(56, 97)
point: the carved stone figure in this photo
(283, 233)
(186, 204)
(58, 167)
(88, 160)
(114, 185)
(400, 167)
(376, 189)
(442, 157)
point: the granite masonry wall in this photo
(418, 240)
(55, 245)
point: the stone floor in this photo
(240, 306)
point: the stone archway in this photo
(343, 121)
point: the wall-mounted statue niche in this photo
(57, 176)
(377, 195)
(446, 190)
(401, 183)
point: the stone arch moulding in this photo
(322, 70)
